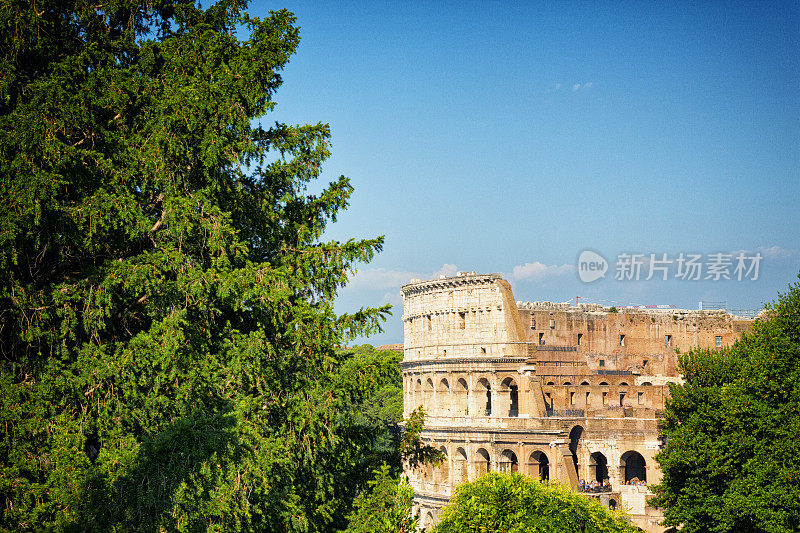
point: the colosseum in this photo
(555, 391)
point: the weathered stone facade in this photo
(571, 393)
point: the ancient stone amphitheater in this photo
(560, 392)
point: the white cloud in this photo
(447, 270)
(776, 252)
(379, 278)
(536, 271)
(394, 298)
(384, 279)
(577, 86)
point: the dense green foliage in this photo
(386, 504)
(514, 503)
(385, 508)
(732, 459)
(167, 339)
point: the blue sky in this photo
(509, 137)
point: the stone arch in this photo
(461, 399)
(632, 467)
(459, 466)
(427, 397)
(444, 468)
(623, 384)
(539, 465)
(509, 397)
(550, 383)
(567, 383)
(484, 398)
(603, 384)
(584, 382)
(443, 397)
(647, 384)
(428, 520)
(483, 462)
(508, 461)
(598, 467)
(612, 504)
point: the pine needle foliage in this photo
(167, 341)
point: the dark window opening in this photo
(513, 409)
(599, 467)
(634, 467)
(580, 338)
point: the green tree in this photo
(386, 507)
(732, 458)
(513, 503)
(167, 339)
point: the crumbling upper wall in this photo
(461, 316)
(628, 339)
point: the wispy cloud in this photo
(537, 271)
(582, 86)
(776, 252)
(383, 279)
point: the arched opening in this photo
(510, 396)
(603, 384)
(539, 465)
(443, 402)
(486, 389)
(574, 441)
(429, 520)
(461, 400)
(647, 384)
(508, 462)
(460, 466)
(584, 382)
(418, 399)
(623, 384)
(444, 468)
(550, 383)
(482, 462)
(567, 383)
(633, 468)
(427, 398)
(598, 467)
(612, 504)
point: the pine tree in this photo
(167, 333)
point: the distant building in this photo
(567, 393)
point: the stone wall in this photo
(567, 393)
